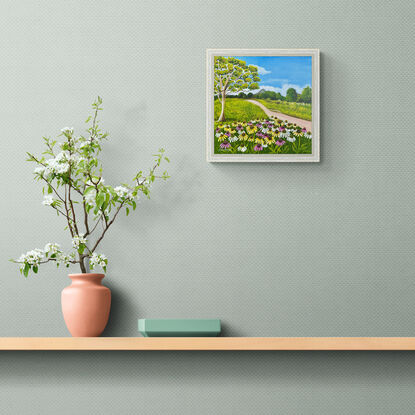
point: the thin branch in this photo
(96, 224)
(67, 212)
(107, 226)
(70, 187)
(56, 192)
(61, 212)
(73, 261)
(85, 219)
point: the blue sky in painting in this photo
(278, 73)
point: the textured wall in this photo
(273, 250)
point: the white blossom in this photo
(67, 130)
(32, 257)
(77, 240)
(40, 170)
(121, 191)
(52, 248)
(124, 193)
(84, 144)
(64, 258)
(98, 259)
(90, 197)
(48, 200)
(290, 139)
(242, 149)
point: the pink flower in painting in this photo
(281, 129)
(224, 145)
(304, 130)
(280, 142)
(258, 147)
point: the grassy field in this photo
(295, 109)
(239, 110)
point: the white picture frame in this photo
(314, 156)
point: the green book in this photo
(179, 327)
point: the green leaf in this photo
(35, 269)
(81, 248)
(134, 204)
(100, 199)
(127, 211)
(26, 269)
(50, 189)
(89, 189)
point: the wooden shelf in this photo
(207, 343)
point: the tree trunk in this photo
(222, 114)
(84, 263)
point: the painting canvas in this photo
(263, 105)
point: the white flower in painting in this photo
(48, 200)
(308, 135)
(264, 145)
(233, 139)
(77, 240)
(242, 149)
(291, 139)
(218, 135)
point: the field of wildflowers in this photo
(261, 136)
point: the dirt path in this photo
(281, 116)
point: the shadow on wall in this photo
(123, 314)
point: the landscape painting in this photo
(263, 105)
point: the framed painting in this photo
(263, 105)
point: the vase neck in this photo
(81, 279)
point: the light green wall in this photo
(273, 250)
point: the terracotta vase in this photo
(86, 305)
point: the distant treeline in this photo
(291, 96)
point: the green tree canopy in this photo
(306, 95)
(291, 95)
(231, 76)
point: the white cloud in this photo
(262, 71)
(283, 89)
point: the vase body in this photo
(86, 305)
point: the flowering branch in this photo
(76, 169)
